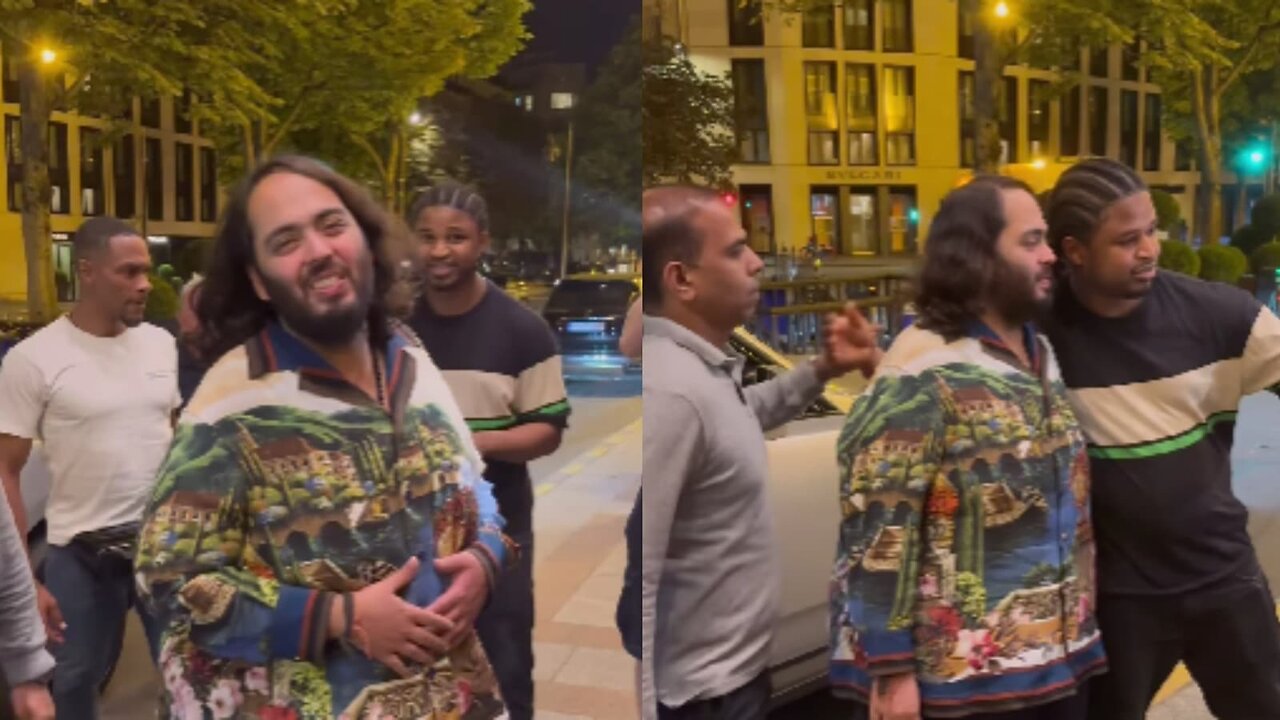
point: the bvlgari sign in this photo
(865, 175)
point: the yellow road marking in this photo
(585, 459)
(1180, 678)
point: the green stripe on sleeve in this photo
(1165, 446)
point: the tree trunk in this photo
(986, 98)
(1205, 105)
(42, 293)
(391, 171)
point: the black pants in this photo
(1227, 635)
(1075, 707)
(749, 702)
(506, 631)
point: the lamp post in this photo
(564, 231)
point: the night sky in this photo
(576, 30)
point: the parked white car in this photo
(804, 481)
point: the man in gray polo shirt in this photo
(710, 572)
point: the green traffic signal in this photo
(1254, 158)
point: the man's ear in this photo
(676, 282)
(1073, 251)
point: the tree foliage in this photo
(348, 81)
(1200, 51)
(688, 120)
(608, 168)
(108, 52)
(263, 75)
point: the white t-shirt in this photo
(102, 407)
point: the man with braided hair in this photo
(501, 361)
(1156, 364)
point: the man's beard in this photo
(328, 329)
(1013, 294)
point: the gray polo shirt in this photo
(711, 575)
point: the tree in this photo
(148, 47)
(608, 166)
(688, 117)
(351, 80)
(1199, 51)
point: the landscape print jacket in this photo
(285, 486)
(966, 554)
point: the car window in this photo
(759, 368)
(610, 297)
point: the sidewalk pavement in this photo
(581, 670)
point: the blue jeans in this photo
(506, 632)
(94, 592)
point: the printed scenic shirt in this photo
(285, 485)
(966, 553)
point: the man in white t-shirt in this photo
(97, 387)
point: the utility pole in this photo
(568, 175)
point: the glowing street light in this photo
(1002, 9)
(415, 118)
(48, 56)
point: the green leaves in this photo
(688, 119)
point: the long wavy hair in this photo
(228, 309)
(960, 255)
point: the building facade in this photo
(854, 122)
(160, 175)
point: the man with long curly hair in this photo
(963, 585)
(321, 468)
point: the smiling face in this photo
(312, 262)
(450, 245)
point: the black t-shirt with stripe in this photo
(501, 362)
(1157, 392)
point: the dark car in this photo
(586, 312)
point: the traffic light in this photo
(1254, 158)
(913, 215)
(729, 198)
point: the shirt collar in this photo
(283, 351)
(691, 341)
(983, 333)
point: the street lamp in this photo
(48, 56)
(1002, 9)
(415, 118)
